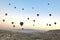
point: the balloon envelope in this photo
(49, 24)
(22, 28)
(9, 4)
(3, 20)
(12, 22)
(13, 25)
(14, 7)
(55, 23)
(22, 8)
(37, 14)
(28, 18)
(32, 7)
(5, 14)
(33, 20)
(48, 3)
(49, 14)
(21, 23)
(33, 24)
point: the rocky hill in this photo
(49, 35)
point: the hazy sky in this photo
(41, 7)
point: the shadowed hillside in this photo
(49, 35)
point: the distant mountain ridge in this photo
(32, 30)
(25, 30)
(54, 31)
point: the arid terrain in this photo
(49, 35)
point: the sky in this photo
(18, 15)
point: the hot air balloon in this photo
(12, 22)
(22, 28)
(13, 25)
(28, 18)
(33, 20)
(22, 8)
(49, 14)
(49, 24)
(5, 14)
(9, 4)
(32, 7)
(55, 23)
(3, 20)
(37, 14)
(48, 3)
(14, 7)
(21, 23)
(33, 24)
